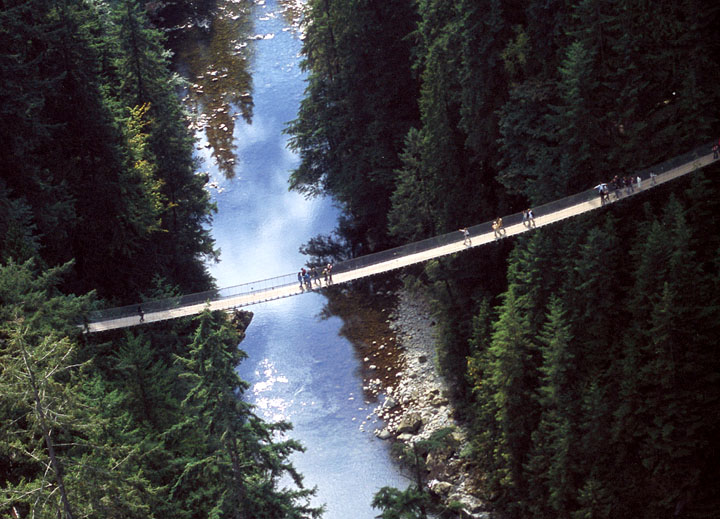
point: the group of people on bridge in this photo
(618, 184)
(528, 220)
(310, 278)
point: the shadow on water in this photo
(365, 314)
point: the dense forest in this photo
(100, 204)
(583, 356)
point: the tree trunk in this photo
(46, 434)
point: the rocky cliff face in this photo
(417, 405)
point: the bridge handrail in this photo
(200, 298)
(515, 218)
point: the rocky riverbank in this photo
(417, 405)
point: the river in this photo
(245, 84)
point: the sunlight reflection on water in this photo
(299, 368)
(309, 374)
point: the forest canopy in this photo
(583, 356)
(100, 204)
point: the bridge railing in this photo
(515, 218)
(198, 298)
(380, 257)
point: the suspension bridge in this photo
(479, 235)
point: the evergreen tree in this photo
(146, 382)
(513, 376)
(235, 462)
(57, 457)
(553, 465)
(411, 216)
(360, 103)
(32, 390)
(410, 503)
(145, 80)
(664, 417)
(18, 239)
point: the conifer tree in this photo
(145, 80)
(31, 389)
(234, 461)
(411, 216)
(57, 454)
(664, 417)
(361, 101)
(513, 375)
(552, 466)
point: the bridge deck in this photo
(478, 240)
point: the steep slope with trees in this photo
(582, 355)
(99, 196)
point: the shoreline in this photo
(417, 404)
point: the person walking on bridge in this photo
(466, 236)
(316, 276)
(497, 227)
(602, 190)
(141, 313)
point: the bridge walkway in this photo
(287, 285)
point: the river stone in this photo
(384, 434)
(438, 458)
(473, 506)
(441, 488)
(439, 401)
(410, 423)
(390, 403)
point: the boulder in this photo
(441, 488)
(410, 423)
(472, 506)
(384, 434)
(390, 403)
(439, 401)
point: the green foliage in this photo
(411, 216)
(124, 432)
(236, 463)
(57, 457)
(360, 103)
(17, 230)
(622, 389)
(401, 504)
(98, 191)
(94, 171)
(584, 351)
